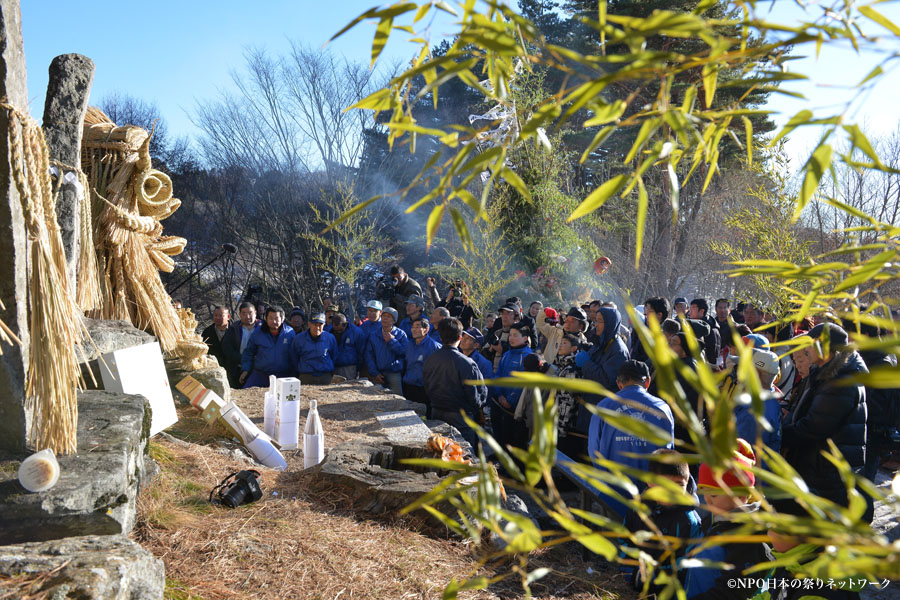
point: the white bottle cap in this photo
(39, 472)
(313, 404)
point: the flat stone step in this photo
(108, 567)
(404, 427)
(97, 489)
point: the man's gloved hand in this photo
(582, 358)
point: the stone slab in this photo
(404, 427)
(99, 567)
(14, 418)
(68, 90)
(97, 489)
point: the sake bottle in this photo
(269, 407)
(313, 438)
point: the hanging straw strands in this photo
(53, 371)
(88, 280)
(129, 200)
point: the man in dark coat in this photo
(827, 408)
(444, 374)
(712, 342)
(404, 287)
(235, 341)
(212, 335)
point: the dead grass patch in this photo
(296, 544)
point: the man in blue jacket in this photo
(605, 441)
(386, 352)
(268, 351)
(470, 343)
(313, 351)
(415, 309)
(351, 347)
(445, 373)
(421, 347)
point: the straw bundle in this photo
(130, 198)
(53, 372)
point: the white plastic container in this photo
(313, 438)
(269, 408)
(39, 472)
(259, 446)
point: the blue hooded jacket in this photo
(608, 353)
(613, 444)
(415, 359)
(351, 348)
(269, 354)
(512, 360)
(311, 356)
(747, 424)
(382, 357)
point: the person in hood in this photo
(606, 441)
(351, 347)
(712, 582)
(602, 361)
(386, 353)
(827, 407)
(712, 342)
(313, 352)
(268, 351)
(508, 431)
(420, 348)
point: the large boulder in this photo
(97, 489)
(109, 336)
(100, 567)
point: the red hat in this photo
(745, 458)
(551, 313)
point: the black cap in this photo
(679, 300)
(578, 313)
(510, 307)
(836, 335)
(634, 370)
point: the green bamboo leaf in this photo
(801, 118)
(710, 77)
(350, 213)
(434, 222)
(382, 33)
(643, 202)
(512, 178)
(599, 138)
(605, 113)
(647, 129)
(748, 131)
(879, 18)
(876, 72)
(636, 427)
(815, 170)
(423, 10)
(462, 230)
(383, 99)
(596, 198)
(377, 13)
(867, 271)
(859, 140)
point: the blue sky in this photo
(175, 53)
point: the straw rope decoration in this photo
(129, 199)
(53, 372)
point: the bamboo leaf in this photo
(801, 118)
(643, 202)
(710, 77)
(382, 33)
(350, 213)
(596, 198)
(647, 129)
(462, 230)
(748, 131)
(636, 427)
(879, 18)
(434, 222)
(512, 178)
(605, 113)
(815, 170)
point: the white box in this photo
(140, 370)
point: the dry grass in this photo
(296, 544)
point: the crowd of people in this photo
(809, 394)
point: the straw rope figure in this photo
(129, 200)
(53, 374)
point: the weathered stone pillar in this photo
(14, 419)
(68, 91)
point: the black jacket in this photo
(883, 404)
(214, 343)
(231, 353)
(408, 288)
(825, 410)
(712, 343)
(444, 372)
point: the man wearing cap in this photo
(605, 441)
(420, 348)
(828, 407)
(415, 309)
(470, 344)
(497, 341)
(351, 347)
(445, 373)
(373, 317)
(313, 353)
(386, 352)
(330, 311)
(680, 306)
(574, 323)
